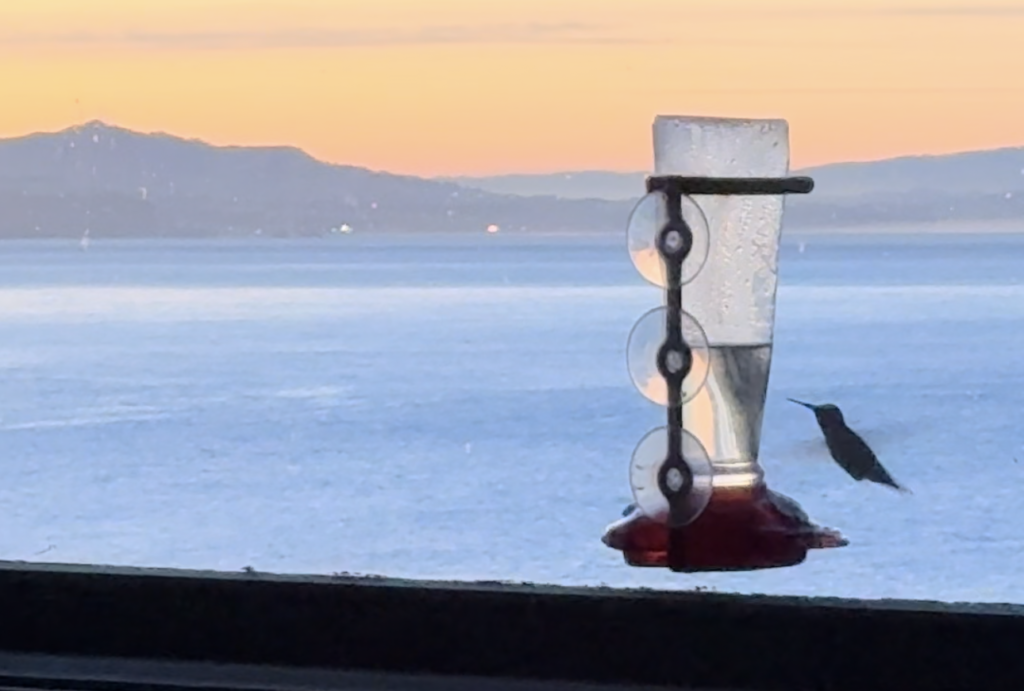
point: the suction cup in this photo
(646, 222)
(646, 339)
(648, 458)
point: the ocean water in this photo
(456, 407)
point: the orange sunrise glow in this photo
(459, 87)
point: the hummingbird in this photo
(848, 450)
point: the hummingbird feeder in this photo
(711, 220)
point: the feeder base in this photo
(740, 530)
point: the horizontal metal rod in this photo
(729, 186)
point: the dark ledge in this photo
(385, 633)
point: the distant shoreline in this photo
(996, 227)
(945, 228)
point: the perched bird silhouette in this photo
(847, 448)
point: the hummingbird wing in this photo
(804, 451)
(860, 461)
(880, 434)
(851, 452)
(877, 436)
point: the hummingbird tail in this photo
(902, 489)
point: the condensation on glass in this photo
(732, 297)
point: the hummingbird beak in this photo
(805, 405)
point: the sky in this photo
(461, 87)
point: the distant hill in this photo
(972, 186)
(115, 182)
(976, 172)
(589, 184)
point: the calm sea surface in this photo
(460, 408)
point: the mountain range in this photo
(115, 182)
(974, 172)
